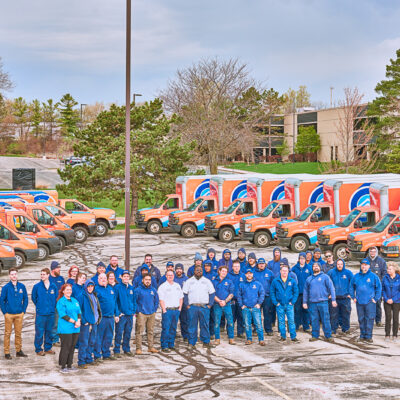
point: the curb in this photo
(117, 231)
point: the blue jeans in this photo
(340, 315)
(287, 310)
(169, 323)
(123, 332)
(227, 311)
(43, 332)
(87, 340)
(105, 333)
(253, 315)
(199, 316)
(301, 315)
(268, 310)
(183, 319)
(319, 313)
(237, 317)
(366, 316)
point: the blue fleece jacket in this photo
(58, 281)
(365, 287)
(223, 288)
(265, 277)
(180, 280)
(341, 280)
(71, 281)
(117, 272)
(321, 262)
(250, 293)
(302, 273)
(236, 279)
(90, 306)
(95, 279)
(44, 299)
(154, 272)
(138, 280)
(213, 260)
(126, 299)
(14, 299)
(146, 299)
(284, 293)
(391, 288)
(190, 271)
(77, 291)
(378, 266)
(108, 300)
(212, 275)
(69, 308)
(318, 288)
(227, 263)
(273, 265)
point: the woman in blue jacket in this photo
(391, 298)
(69, 322)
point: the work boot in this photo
(191, 347)
(369, 340)
(282, 339)
(83, 366)
(379, 324)
(248, 342)
(185, 340)
(217, 342)
(153, 350)
(20, 354)
(261, 343)
(212, 337)
(97, 361)
(241, 336)
(128, 353)
(232, 341)
(360, 340)
(50, 352)
(166, 350)
(208, 345)
(139, 352)
(172, 348)
(295, 340)
(270, 333)
(117, 355)
(307, 330)
(40, 353)
(7, 356)
(329, 340)
(313, 339)
(111, 358)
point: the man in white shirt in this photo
(171, 300)
(199, 296)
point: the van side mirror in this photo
(35, 229)
(314, 218)
(393, 230)
(275, 214)
(52, 221)
(358, 224)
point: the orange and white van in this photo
(390, 249)
(7, 256)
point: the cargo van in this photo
(7, 256)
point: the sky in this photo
(53, 47)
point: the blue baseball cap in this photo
(248, 270)
(125, 272)
(261, 261)
(170, 264)
(365, 261)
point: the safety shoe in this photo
(50, 352)
(191, 347)
(232, 342)
(313, 339)
(110, 358)
(208, 345)
(369, 340)
(360, 340)
(282, 339)
(217, 342)
(7, 356)
(83, 366)
(295, 340)
(329, 340)
(379, 324)
(307, 330)
(139, 352)
(241, 336)
(270, 333)
(166, 350)
(172, 348)
(248, 342)
(261, 343)
(40, 353)
(117, 355)
(128, 353)
(21, 354)
(153, 350)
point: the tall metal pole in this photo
(128, 138)
(294, 128)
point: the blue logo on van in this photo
(279, 192)
(317, 194)
(360, 197)
(240, 191)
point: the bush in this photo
(16, 148)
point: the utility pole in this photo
(294, 128)
(128, 137)
(331, 88)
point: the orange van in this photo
(7, 256)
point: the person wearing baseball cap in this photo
(56, 279)
(198, 261)
(168, 267)
(365, 290)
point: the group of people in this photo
(95, 314)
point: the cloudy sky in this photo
(51, 47)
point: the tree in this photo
(36, 118)
(21, 114)
(308, 140)
(50, 112)
(283, 149)
(387, 106)
(297, 98)
(354, 132)
(393, 160)
(156, 159)
(5, 81)
(208, 99)
(69, 117)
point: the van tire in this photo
(262, 239)
(339, 251)
(188, 230)
(101, 228)
(154, 227)
(20, 257)
(44, 252)
(226, 234)
(63, 242)
(299, 244)
(81, 234)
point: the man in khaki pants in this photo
(13, 303)
(147, 303)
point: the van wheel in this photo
(262, 239)
(20, 257)
(81, 234)
(226, 235)
(299, 244)
(188, 230)
(154, 227)
(340, 251)
(43, 252)
(101, 228)
(63, 242)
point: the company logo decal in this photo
(279, 192)
(317, 194)
(360, 197)
(205, 188)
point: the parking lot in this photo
(318, 370)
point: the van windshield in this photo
(349, 219)
(232, 207)
(194, 205)
(382, 224)
(306, 213)
(267, 210)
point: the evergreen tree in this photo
(36, 118)
(69, 117)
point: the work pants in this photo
(253, 315)
(145, 321)
(43, 328)
(319, 313)
(301, 315)
(104, 337)
(183, 319)
(123, 332)
(218, 312)
(199, 316)
(68, 342)
(9, 321)
(169, 323)
(366, 315)
(268, 310)
(391, 314)
(282, 311)
(237, 317)
(340, 315)
(87, 341)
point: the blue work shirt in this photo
(391, 288)
(265, 277)
(108, 300)
(318, 288)
(180, 280)
(146, 299)
(126, 299)
(58, 281)
(341, 280)
(117, 272)
(223, 288)
(284, 293)
(14, 298)
(302, 273)
(365, 287)
(250, 293)
(44, 299)
(236, 279)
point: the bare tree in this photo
(354, 132)
(211, 108)
(5, 81)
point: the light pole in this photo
(134, 98)
(294, 127)
(82, 104)
(128, 137)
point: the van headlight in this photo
(31, 241)
(93, 221)
(7, 248)
(247, 227)
(113, 216)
